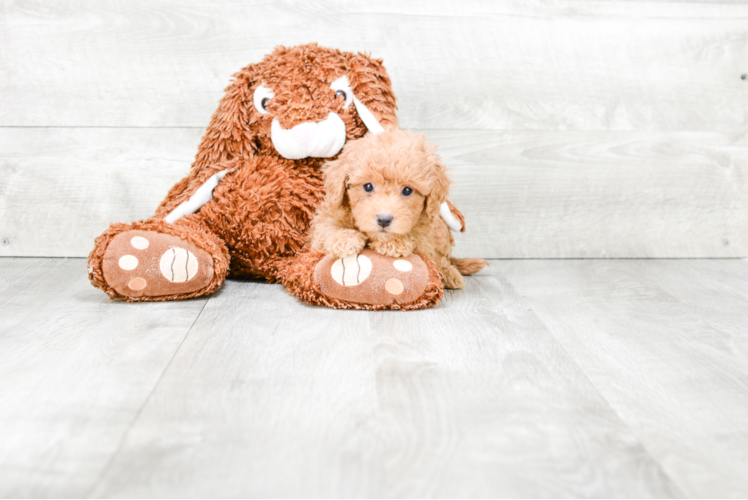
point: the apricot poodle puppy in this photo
(384, 192)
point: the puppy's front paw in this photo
(346, 242)
(398, 247)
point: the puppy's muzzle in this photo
(318, 140)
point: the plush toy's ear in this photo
(229, 134)
(371, 86)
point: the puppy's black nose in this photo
(384, 220)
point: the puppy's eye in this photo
(342, 94)
(368, 187)
(407, 191)
(264, 103)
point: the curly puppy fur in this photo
(385, 191)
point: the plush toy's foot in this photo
(147, 263)
(143, 264)
(365, 281)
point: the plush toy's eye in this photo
(342, 89)
(407, 191)
(368, 187)
(261, 98)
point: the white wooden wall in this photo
(573, 128)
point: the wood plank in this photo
(271, 398)
(599, 194)
(75, 369)
(570, 64)
(15, 273)
(717, 293)
(662, 356)
(62, 187)
(526, 194)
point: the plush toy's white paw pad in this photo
(139, 242)
(352, 270)
(394, 286)
(402, 265)
(128, 262)
(178, 265)
(137, 284)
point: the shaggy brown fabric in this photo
(259, 216)
(300, 77)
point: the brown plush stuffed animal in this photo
(245, 207)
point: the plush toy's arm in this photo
(453, 217)
(199, 198)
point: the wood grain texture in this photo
(566, 378)
(62, 187)
(665, 344)
(75, 369)
(718, 294)
(472, 398)
(524, 193)
(571, 64)
(599, 194)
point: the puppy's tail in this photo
(469, 266)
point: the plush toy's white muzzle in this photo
(318, 140)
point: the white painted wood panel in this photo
(75, 370)
(599, 194)
(271, 398)
(572, 64)
(662, 351)
(525, 194)
(62, 187)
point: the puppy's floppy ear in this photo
(439, 180)
(336, 184)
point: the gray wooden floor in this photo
(558, 378)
